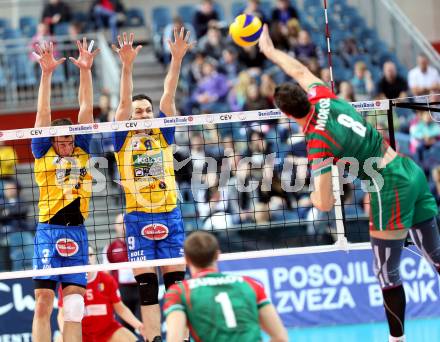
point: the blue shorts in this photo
(154, 236)
(61, 246)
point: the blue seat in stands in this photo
(161, 17)
(28, 26)
(134, 17)
(186, 12)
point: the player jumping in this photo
(61, 165)
(218, 307)
(403, 203)
(154, 226)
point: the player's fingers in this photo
(138, 48)
(114, 48)
(125, 38)
(36, 55)
(51, 47)
(131, 39)
(175, 33)
(192, 45)
(84, 46)
(61, 60)
(73, 60)
(187, 36)
(39, 50)
(44, 46)
(182, 32)
(98, 50)
(120, 41)
(78, 44)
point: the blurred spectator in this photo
(293, 30)
(13, 209)
(212, 44)
(253, 7)
(305, 48)
(8, 160)
(435, 187)
(204, 14)
(279, 35)
(168, 34)
(423, 79)
(237, 95)
(56, 12)
(362, 82)
(116, 251)
(283, 12)
(325, 76)
(314, 66)
(192, 73)
(267, 88)
(14, 229)
(214, 210)
(346, 91)
(254, 99)
(348, 48)
(107, 13)
(251, 57)
(424, 134)
(229, 64)
(210, 93)
(391, 85)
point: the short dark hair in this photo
(201, 249)
(140, 97)
(292, 100)
(61, 122)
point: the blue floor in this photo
(420, 330)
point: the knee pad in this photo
(386, 261)
(148, 286)
(73, 308)
(426, 237)
(171, 278)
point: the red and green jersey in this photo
(219, 307)
(335, 130)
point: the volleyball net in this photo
(243, 176)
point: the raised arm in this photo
(178, 49)
(290, 65)
(127, 55)
(85, 93)
(48, 64)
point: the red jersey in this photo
(117, 252)
(101, 293)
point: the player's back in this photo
(337, 130)
(221, 307)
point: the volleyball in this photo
(246, 30)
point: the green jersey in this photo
(336, 130)
(219, 307)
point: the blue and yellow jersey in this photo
(145, 163)
(62, 180)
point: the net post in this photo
(341, 241)
(391, 124)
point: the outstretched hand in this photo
(265, 42)
(126, 52)
(45, 57)
(86, 56)
(181, 44)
